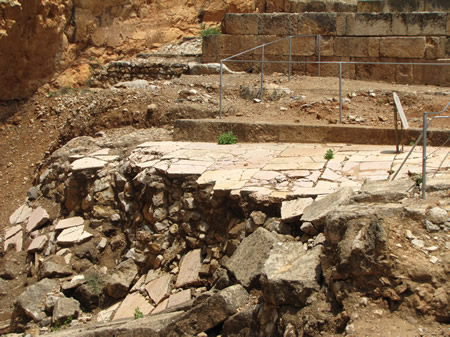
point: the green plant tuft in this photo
(95, 282)
(138, 313)
(227, 138)
(210, 30)
(329, 154)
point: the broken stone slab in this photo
(87, 164)
(69, 222)
(385, 191)
(179, 298)
(149, 326)
(107, 314)
(20, 215)
(291, 274)
(65, 308)
(51, 269)
(318, 210)
(293, 209)
(73, 235)
(37, 218)
(243, 324)
(30, 304)
(438, 183)
(209, 313)
(37, 244)
(131, 305)
(190, 266)
(16, 240)
(75, 282)
(158, 288)
(207, 68)
(12, 231)
(247, 262)
(120, 281)
(161, 307)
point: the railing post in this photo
(290, 57)
(340, 92)
(262, 73)
(424, 157)
(318, 48)
(221, 89)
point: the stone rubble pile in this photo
(147, 232)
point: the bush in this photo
(227, 138)
(329, 154)
(210, 30)
(138, 313)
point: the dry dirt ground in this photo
(48, 120)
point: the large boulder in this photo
(51, 269)
(291, 274)
(247, 262)
(31, 303)
(210, 313)
(318, 210)
(120, 281)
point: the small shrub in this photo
(227, 138)
(329, 154)
(418, 179)
(95, 281)
(210, 30)
(138, 313)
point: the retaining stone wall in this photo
(399, 6)
(365, 37)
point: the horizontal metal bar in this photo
(341, 62)
(267, 44)
(438, 113)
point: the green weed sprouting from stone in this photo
(329, 154)
(95, 282)
(227, 138)
(210, 30)
(138, 313)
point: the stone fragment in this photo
(87, 164)
(37, 244)
(161, 306)
(132, 304)
(30, 304)
(12, 231)
(158, 288)
(73, 235)
(291, 274)
(37, 218)
(16, 240)
(242, 324)
(75, 282)
(247, 262)
(431, 227)
(308, 228)
(69, 222)
(437, 215)
(107, 314)
(318, 210)
(179, 298)
(51, 269)
(118, 284)
(190, 266)
(208, 314)
(418, 243)
(293, 209)
(89, 293)
(258, 217)
(65, 308)
(384, 191)
(20, 215)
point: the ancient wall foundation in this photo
(355, 37)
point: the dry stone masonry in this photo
(198, 236)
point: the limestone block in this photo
(37, 219)
(327, 45)
(404, 74)
(65, 308)
(158, 288)
(131, 304)
(375, 72)
(422, 23)
(189, 269)
(248, 260)
(404, 47)
(374, 46)
(275, 24)
(373, 24)
(345, 24)
(316, 23)
(352, 46)
(179, 298)
(436, 75)
(370, 6)
(304, 46)
(240, 24)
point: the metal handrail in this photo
(424, 148)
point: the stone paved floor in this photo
(284, 170)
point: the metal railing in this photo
(426, 124)
(290, 62)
